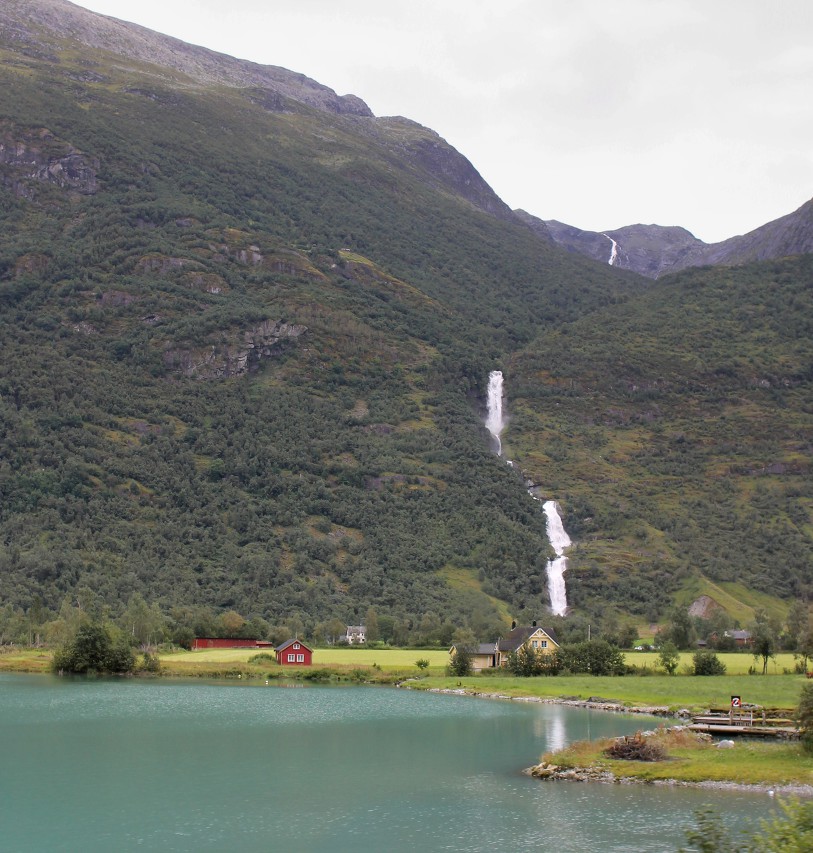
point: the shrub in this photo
(707, 663)
(805, 717)
(261, 657)
(596, 657)
(636, 748)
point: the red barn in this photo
(228, 643)
(294, 653)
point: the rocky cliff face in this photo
(30, 157)
(236, 352)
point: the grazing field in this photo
(736, 663)
(337, 656)
(694, 692)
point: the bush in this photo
(636, 748)
(707, 663)
(596, 657)
(805, 717)
(93, 649)
(261, 657)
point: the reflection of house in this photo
(228, 643)
(488, 655)
(294, 653)
(356, 635)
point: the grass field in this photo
(337, 656)
(389, 665)
(736, 663)
(675, 692)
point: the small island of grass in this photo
(683, 757)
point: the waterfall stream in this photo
(557, 536)
(613, 250)
(495, 422)
(559, 540)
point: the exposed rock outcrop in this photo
(237, 353)
(36, 155)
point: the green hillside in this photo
(677, 432)
(245, 341)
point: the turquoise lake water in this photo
(168, 766)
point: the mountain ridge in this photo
(657, 250)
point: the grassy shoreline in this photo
(691, 760)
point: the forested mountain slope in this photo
(244, 340)
(680, 431)
(246, 329)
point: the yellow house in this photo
(488, 655)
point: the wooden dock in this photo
(749, 721)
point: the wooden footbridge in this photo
(748, 720)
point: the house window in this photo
(296, 645)
(544, 644)
(300, 658)
(291, 658)
(535, 644)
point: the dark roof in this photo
(518, 636)
(739, 635)
(288, 643)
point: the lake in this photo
(103, 765)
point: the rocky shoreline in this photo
(595, 703)
(554, 773)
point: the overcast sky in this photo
(600, 114)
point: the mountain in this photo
(655, 250)
(246, 329)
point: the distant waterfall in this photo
(559, 540)
(495, 423)
(613, 250)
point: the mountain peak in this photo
(45, 25)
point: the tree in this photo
(142, 622)
(460, 663)
(627, 636)
(797, 624)
(680, 630)
(707, 663)
(94, 649)
(804, 650)
(805, 717)
(764, 639)
(669, 658)
(373, 634)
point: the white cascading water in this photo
(559, 540)
(613, 250)
(495, 423)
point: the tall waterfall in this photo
(559, 540)
(613, 250)
(495, 422)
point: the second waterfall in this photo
(557, 536)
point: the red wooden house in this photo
(294, 653)
(228, 643)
